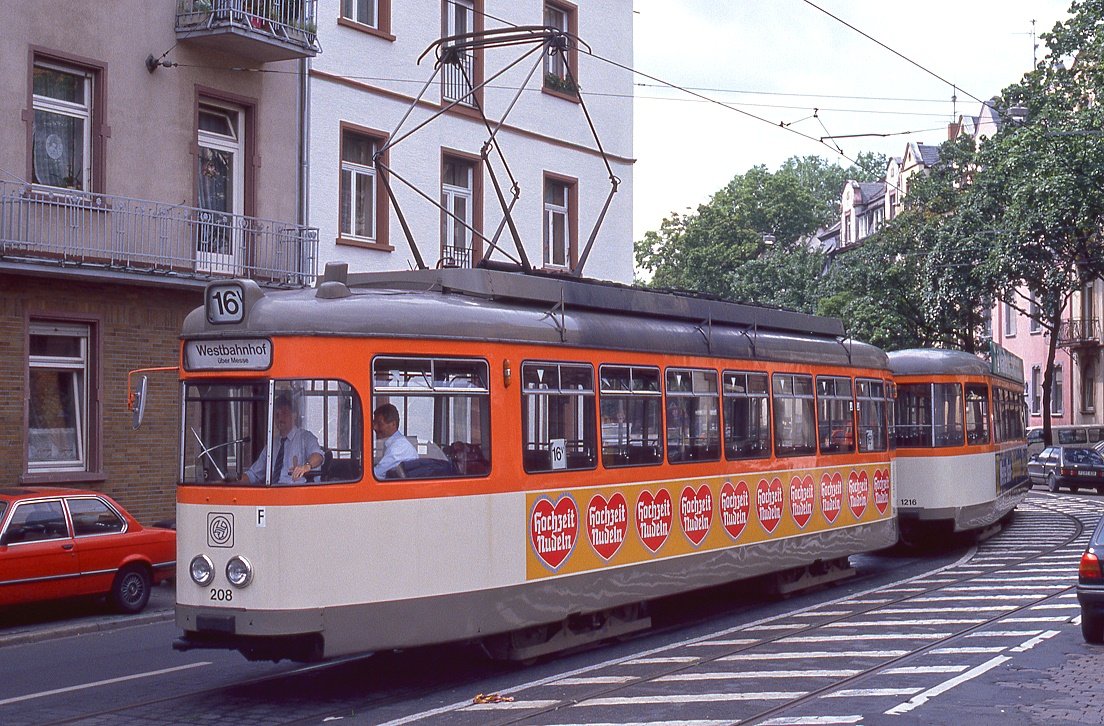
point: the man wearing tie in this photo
(297, 450)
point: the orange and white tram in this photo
(581, 448)
(960, 438)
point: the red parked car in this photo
(58, 543)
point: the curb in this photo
(50, 632)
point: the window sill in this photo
(364, 244)
(366, 29)
(62, 477)
(572, 97)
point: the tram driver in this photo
(297, 450)
(396, 447)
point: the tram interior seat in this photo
(338, 469)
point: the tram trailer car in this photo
(582, 448)
(961, 443)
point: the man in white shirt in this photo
(297, 450)
(396, 447)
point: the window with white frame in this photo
(365, 12)
(1034, 314)
(358, 186)
(220, 185)
(1056, 390)
(458, 78)
(57, 411)
(558, 234)
(558, 63)
(1035, 392)
(1009, 320)
(1088, 384)
(61, 149)
(457, 220)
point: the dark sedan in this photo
(1090, 588)
(1073, 467)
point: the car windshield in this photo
(1084, 456)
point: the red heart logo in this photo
(735, 506)
(554, 529)
(831, 495)
(607, 523)
(881, 489)
(696, 513)
(801, 499)
(768, 503)
(857, 497)
(653, 518)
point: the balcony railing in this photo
(262, 30)
(67, 227)
(456, 78)
(452, 256)
(1079, 332)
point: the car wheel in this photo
(1100, 490)
(1092, 628)
(131, 589)
(1075, 489)
(1052, 483)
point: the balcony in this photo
(1079, 333)
(456, 77)
(454, 256)
(98, 232)
(260, 30)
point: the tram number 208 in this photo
(222, 595)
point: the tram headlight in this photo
(239, 572)
(201, 569)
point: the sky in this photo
(784, 60)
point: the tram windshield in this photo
(315, 427)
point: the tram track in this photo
(1077, 529)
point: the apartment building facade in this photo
(374, 92)
(149, 148)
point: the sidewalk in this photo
(44, 621)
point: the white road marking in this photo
(662, 661)
(1056, 606)
(872, 692)
(693, 698)
(1004, 597)
(957, 609)
(814, 720)
(924, 670)
(825, 613)
(861, 636)
(1046, 619)
(1029, 644)
(595, 680)
(816, 654)
(1002, 633)
(502, 705)
(903, 623)
(921, 698)
(105, 682)
(734, 642)
(664, 722)
(750, 675)
(968, 650)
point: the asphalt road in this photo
(970, 633)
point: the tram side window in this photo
(872, 415)
(977, 414)
(947, 414)
(794, 415)
(891, 414)
(693, 416)
(1008, 414)
(746, 415)
(631, 407)
(914, 415)
(835, 419)
(444, 411)
(226, 439)
(558, 416)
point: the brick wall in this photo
(136, 327)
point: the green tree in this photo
(1035, 202)
(722, 248)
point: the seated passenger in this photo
(396, 447)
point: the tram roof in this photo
(495, 305)
(932, 361)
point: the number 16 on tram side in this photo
(564, 451)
